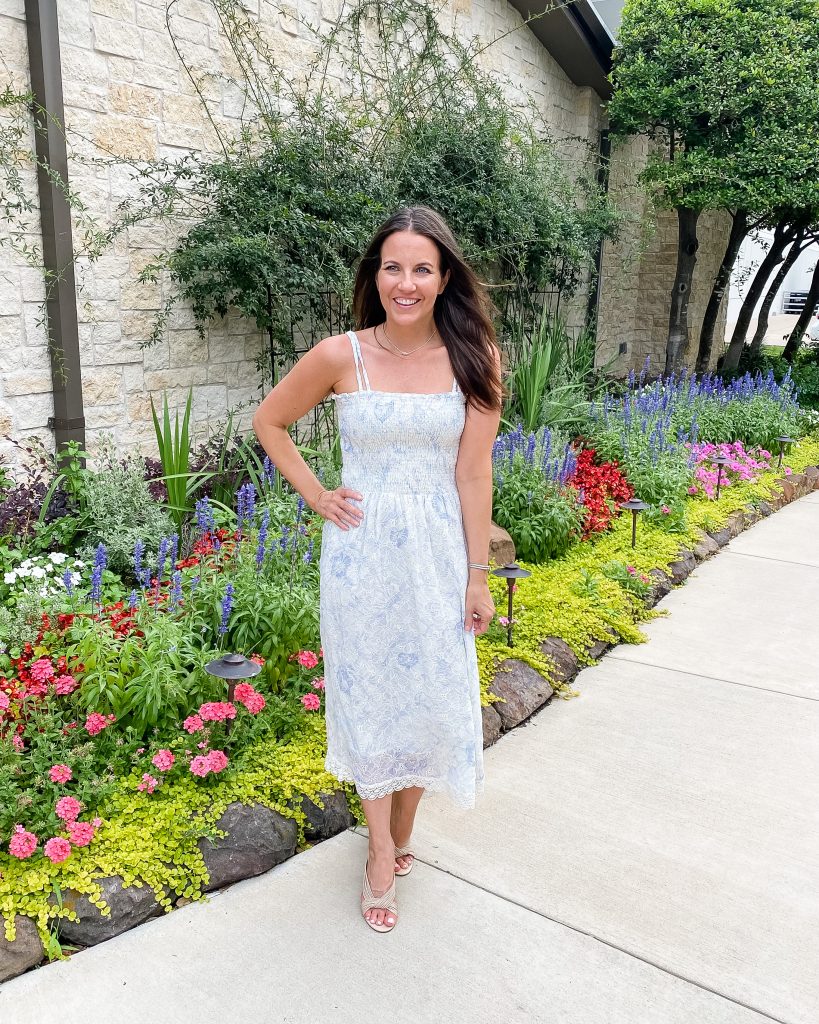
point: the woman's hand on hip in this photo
(337, 507)
(480, 608)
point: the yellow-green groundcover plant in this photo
(152, 839)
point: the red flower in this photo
(603, 487)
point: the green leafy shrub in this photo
(121, 510)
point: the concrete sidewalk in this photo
(645, 854)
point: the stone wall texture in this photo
(127, 94)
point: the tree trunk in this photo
(783, 235)
(739, 229)
(798, 333)
(765, 309)
(687, 246)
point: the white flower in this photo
(23, 572)
(38, 573)
(75, 578)
(58, 557)
(26, 564)
(78, 564)
(10, 577)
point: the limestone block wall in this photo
(127, 95)
(638, 272)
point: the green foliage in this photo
(407, 117)
(554, 375)
(121, 510)
(541, 518)
(174, 453)
(728, 88)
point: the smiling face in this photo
(409, 279)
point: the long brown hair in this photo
(461, 313)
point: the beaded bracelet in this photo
(477, 565)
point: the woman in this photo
(405, 545)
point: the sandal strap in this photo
(404, 851)
(386, 901)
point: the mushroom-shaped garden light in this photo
(635, 506)
(510, 572)
(232, 667)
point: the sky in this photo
(609, 11)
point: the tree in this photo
(800, 243)
(798, 333)
(726, 91)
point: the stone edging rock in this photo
(257, 838)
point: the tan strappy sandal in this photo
(404, 851)
(387, 901)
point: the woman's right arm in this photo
(309, 382)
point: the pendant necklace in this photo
(399, 351)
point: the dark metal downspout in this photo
(68, 421)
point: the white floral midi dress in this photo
(401, 673)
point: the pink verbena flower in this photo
(318, 683)
(307, 659)
(68, 808)
(200, 765)
(257, 659)
(218, 760)
(217, 711)
(163, 760)
(243, 691)
(503, 620)
(17, 743)
(60, 773)
(255, 703)
(5, 702)
(22, 844)
(148, 784)
(311, 701)
(81, 832)
(57, 850)
(63, 685)
(193, 724)
(41, 670)
(665, 510)
(96, 722)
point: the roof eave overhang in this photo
(575, 36)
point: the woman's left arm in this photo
(473, 476)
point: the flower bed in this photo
(120, 753)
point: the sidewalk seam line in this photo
(597, 938)
(766, 558)
(714, 679)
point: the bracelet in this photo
(477, 565)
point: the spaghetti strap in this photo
(358, 359)
(455, 388)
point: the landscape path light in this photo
(721, 461)
(232, 668)
(782, 442)
(635, 506)
(510, 572)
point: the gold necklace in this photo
(396, 349)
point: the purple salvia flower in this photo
(176, 589)
(262, 538)
(132, 600)
(269, 471)
(68, 582)
(283, 541)
(299, 508)
(173, 551)
(100, 559)
(227, 607)
(205, 521)
(308, 554)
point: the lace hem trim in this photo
(427, 783)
